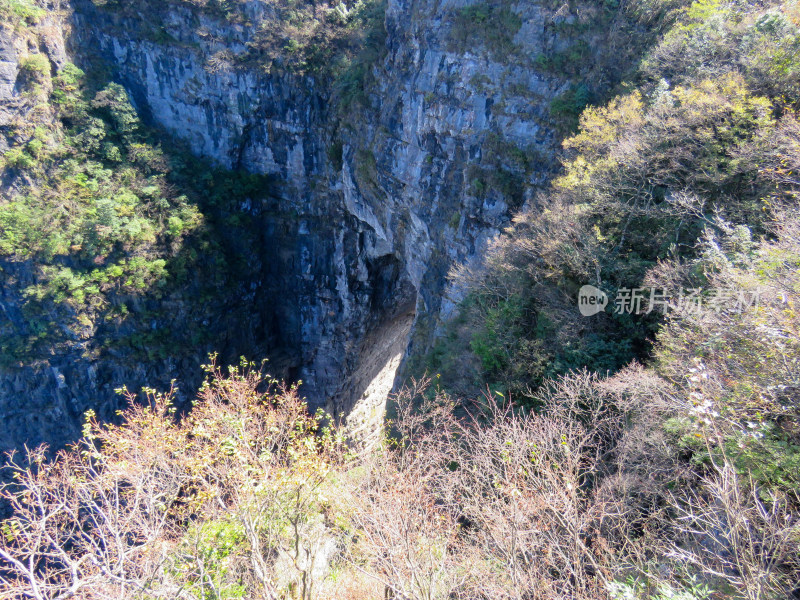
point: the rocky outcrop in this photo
(9, 70)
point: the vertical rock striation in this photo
(454, 135)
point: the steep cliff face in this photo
(41, 402)
(335, 274)
(373, 238)
(376, 199)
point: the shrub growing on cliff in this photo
(105, 213)
(21, 11)
(36, 67)
(492, 25)
(353, 72)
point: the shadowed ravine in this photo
(371, 200)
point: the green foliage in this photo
(568, 61)
(110, 214)
(503, 169)
(515, 340)
(569, 105)
(491, 25)
(335, 155)
(353, 71)
(761, 42)
(455, 221)
(17, 158)
(36, 67)
(639, 587)
(769, 455)
(367, 170)
(494, 344)
(214, 545)
(66, 85)
(113, 106)
(21, 11)
(508, 183)
(737, 364)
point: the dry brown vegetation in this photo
(248, 497)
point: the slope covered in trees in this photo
(99, 219)
(704, 140)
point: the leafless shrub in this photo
(410, 534)
(246, 498)
(734, 532)
(220, 61)
(227, 499)
(513, 499)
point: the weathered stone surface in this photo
(9, 65)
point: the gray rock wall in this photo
(356, 259)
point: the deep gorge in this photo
(414, 299)
(366, 204)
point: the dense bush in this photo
(736, 361)
(249, 496)
(105, 216)
(701, 136)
